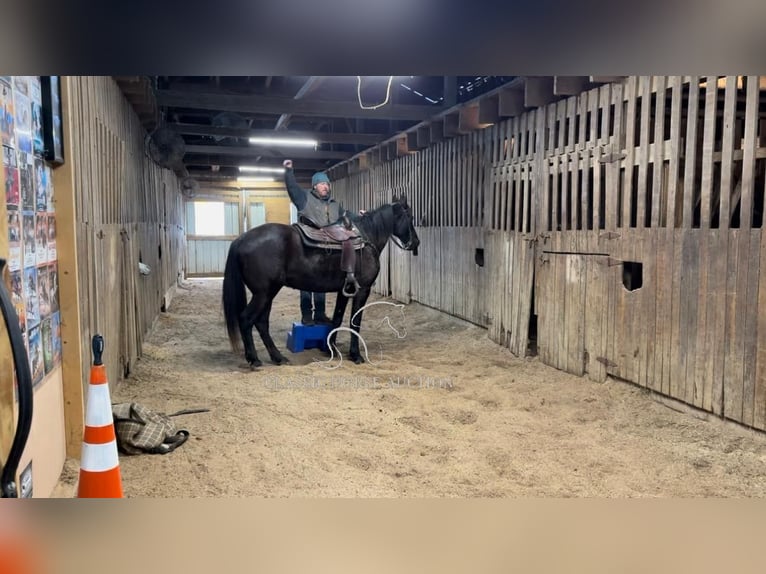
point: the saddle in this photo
(345, 238)
(330, 237)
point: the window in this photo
(209, 218)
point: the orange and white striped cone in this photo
(100, 463)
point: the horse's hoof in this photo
(358, 359)
(255, 364)
(280, 360)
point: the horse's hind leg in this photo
(262, 324)
(246, 321)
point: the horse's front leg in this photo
(360, 300)
(337, 317)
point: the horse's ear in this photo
(403, 199)
(394, 199)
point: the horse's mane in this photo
(377, 221)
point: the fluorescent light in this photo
(253, 179)
(261, 169)
(284, 141)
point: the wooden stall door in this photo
(571, 295)
(510, 258)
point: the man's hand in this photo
(288, 163)
(362, 212)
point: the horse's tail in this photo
(234, 296)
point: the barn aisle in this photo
(444, 413)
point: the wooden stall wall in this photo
(128, 210)
(472, 198)
(626, 220)
(655, 278)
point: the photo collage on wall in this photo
(32, 257)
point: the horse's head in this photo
(404, 228)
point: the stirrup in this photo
(350, 282)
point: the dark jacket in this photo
(311, 208)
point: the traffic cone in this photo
(100, 463)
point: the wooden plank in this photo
(750, 143)
(586, 160)
(675, 199)
(727, 151)
(664, 309)
(708, 143)
(651, 298)
(596, 313)
(599, 194)
(689, 318)
(759, 406)
(750, 333)
(643, 152)
(690, 157)
(703, 386)
(659, 195)
(596, 103)
(732, 390)
(575, 277)
(617, 321)
(679, 331)
(630, 146)
(613, 168)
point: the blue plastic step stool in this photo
(302, 337)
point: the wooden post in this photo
(63, 183)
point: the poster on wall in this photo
(36, 355)
(8, 118)
(36, 99)
(14, 241)
(41, 238)
(31, 297)
(29, 196)
(12, 193)
(23, 106)
(51, 237)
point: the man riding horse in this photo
(317, 209)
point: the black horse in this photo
(273, 255)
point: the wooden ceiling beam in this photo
(271, 151)
(569, 85)
(281, 105)
(368, 139)
(538, 91)
(309, 86)
(236, 161)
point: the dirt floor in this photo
(444, 412)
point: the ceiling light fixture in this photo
(254, 179)
(285, 141)
(259, 169)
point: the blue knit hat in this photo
(319, 177)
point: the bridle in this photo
(404, 246)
